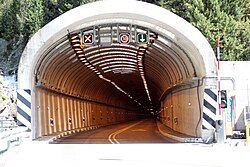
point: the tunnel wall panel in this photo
(181, 112)
(60, 113)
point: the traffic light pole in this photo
(220, 137)
(218, 57)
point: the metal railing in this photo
(6, 124)
(10, 134)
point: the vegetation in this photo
(3, 98)
(20, 19)
(229, 19)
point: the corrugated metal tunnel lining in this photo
(132, 75)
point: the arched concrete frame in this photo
(186, 37)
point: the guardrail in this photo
(7, 125)
(10, 138)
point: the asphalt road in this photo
(135, 132)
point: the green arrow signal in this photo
(142, 38)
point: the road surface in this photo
(142, 131)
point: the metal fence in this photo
(10, 133)
(7, 124)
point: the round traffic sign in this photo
(124, 38)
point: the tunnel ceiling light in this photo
(75, 40)
(77, 44)
(141, 54)
(80, 55)
(76, 49)
(79, 52)
(74, 37)
(83, 61)
(142, 49)
(82, 58)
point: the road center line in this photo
(112, 136)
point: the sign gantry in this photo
(106, 35)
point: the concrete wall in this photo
(239, 72)
(178, 115)
(181, 111)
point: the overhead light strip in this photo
(75, 41)
(141, 53)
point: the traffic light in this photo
(223, 98)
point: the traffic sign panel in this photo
(142, 38)
(88, 38)
(124, 38)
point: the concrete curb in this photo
(178, 138)
(70, 132)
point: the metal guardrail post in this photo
(247, 133)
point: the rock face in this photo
(3, 52)
(7, 97)
(9, 56)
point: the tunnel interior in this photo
(135, 75)
(121, 67)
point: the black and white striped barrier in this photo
(24, 108)
(210, 106)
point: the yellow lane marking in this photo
(112, 136)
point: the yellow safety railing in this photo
(247, 133)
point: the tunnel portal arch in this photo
(69, 84)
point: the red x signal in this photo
(124, 38)
(88, 38)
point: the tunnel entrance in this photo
(116, 64)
